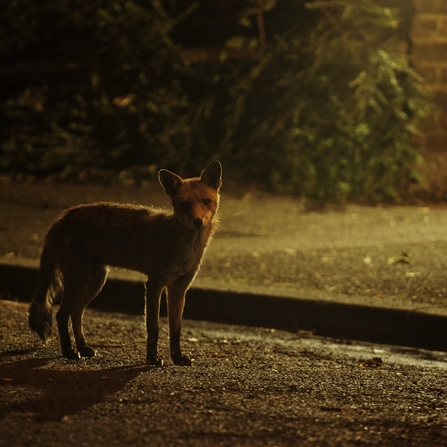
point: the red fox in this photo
(166, 246)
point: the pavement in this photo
(355, 272)
(351, 273)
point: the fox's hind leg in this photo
(73, 285)
(81, 284)
(97, 279)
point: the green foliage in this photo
(326, 115)
(330, 117)
(127, 107)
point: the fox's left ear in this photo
(212, 175)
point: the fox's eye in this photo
(206, 201)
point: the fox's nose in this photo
(198, 223)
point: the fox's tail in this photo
(41, 309)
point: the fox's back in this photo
(107, 233)
(145, 239)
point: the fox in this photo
(167, 246)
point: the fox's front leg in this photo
(153, 295)
(176, 303)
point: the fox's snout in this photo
(196, 222)
(195, 218)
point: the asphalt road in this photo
(246, 387)
(359, 272)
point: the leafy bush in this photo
(330, 117)
(126, 108)
(326, 114)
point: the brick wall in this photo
(429, 58)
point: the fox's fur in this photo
(166, 246)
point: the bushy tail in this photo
(40, 316)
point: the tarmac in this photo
(334, 279)
(355, 272)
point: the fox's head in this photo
(195, 200)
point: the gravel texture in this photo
(246, 387)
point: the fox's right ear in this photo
(171, 182)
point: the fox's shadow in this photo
(55, 394)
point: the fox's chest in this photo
(184, 261)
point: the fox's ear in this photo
(171, 182)
(212, 175)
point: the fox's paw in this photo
(87, 351)
(181, 360)
(71, 354)
(154, 360)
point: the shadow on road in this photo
(59, 393)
